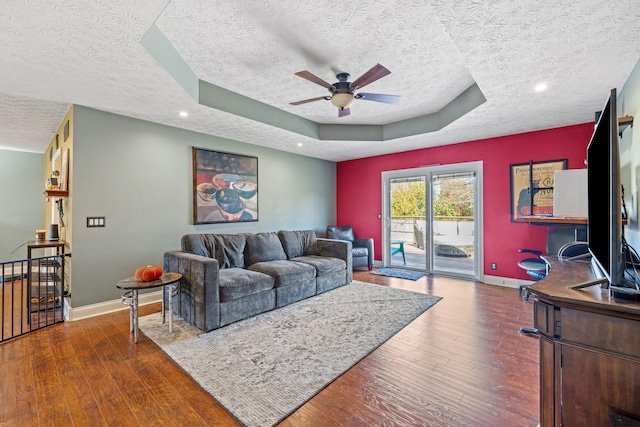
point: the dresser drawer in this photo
(608, 333)
(544, 318)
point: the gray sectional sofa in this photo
(230, 277)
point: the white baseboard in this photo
(506, 281)
(91, 310)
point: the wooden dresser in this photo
(589, 351)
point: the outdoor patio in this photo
(453, 244)
(416, 258)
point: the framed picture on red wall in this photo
(532, 188)
(225, 187)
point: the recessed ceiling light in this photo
(183, 114)
(540, 87)
(299, 144)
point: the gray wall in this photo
(139, 176)
(23, 206)
(629, 105)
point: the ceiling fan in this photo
(343, 92)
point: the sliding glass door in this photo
(452, 222)
(432, 219)
(407, 204)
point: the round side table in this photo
(170, 283)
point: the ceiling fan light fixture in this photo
(342, 100)
(342, 91)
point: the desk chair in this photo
(568, 250)
(535, 267)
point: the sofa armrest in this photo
(199, 297)
(338, 249)
(365, 243)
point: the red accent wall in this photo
(359, 187)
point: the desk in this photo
(578, 224)
(398, 247)
(551, 220)
(131, 286)
(589, 350)
(555, 220)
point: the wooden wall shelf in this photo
(56, 193)
(551, 220)
(624, 122)
(555, 220)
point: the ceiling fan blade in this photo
(375, 73)
(343, 112)
(378, 97)
(315, 79)
(308, 100)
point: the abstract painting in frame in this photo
(225, 187)
(539, 202)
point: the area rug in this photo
(263, 368)
(398, 273)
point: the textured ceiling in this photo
(64, 52)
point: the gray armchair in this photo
(362, 248)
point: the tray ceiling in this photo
(89, 53)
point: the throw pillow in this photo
(263, 247)
(230, 250)
(199, 244)
(341, 233)
(299, 243)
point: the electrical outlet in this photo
(494, 265)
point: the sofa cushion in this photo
(285, 272)
(238, 282)
(262, 247)
(323, 265)
(230, 250)
(298, 243)
(341, 233)
(199, 244)
(358, 252)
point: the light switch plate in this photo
(95, 221)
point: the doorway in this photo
(433, 219)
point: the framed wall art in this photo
(532, 188)
(225, 187)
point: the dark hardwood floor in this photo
(461, 363)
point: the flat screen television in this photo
(604, 221)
